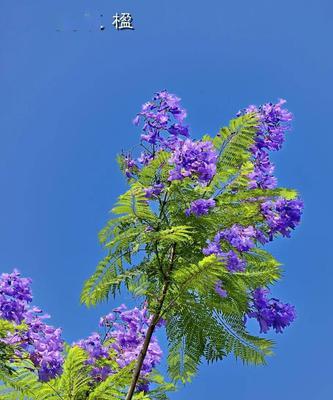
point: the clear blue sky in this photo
(67, 101)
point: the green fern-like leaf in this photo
(233, 143)
(23, 384)
(155, 169)
(134, 203)
(74, 381)
(114, 386)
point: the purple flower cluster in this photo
(193, 159)
(239, 237)
(262, 175)
(282, 215)
(98, 353)
(232, 261)
(40, 341)
(124, 337)
(230, 258)
(200, 207)
(162, 115)
(154, 190)
(44, 344)
(270, 313)
(274, 121)
(15, 294)
(219, 289)
(129, 165)
(164, 129)
(129, 334)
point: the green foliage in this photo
(233, 143)
(75, 383)
(176, 234)
(106, 280)
(157, 169)
(22, 383)
(205, 325)
(7, 351)
(161, 387)
(113, 386)
(134, 203)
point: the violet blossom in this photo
(200, 207)
(270, 312)
(193, 159)
(40, 341)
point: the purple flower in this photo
(15, 294)
(282, 215)
(178, 129)
(213, 247)
(129, 334)
(274, 122)
(129, 165)
(107, 320)
(100, 373)
(239, 237)
(13, 285)
(145, 158)
(154, 190)
(40, 341)
(160, 117)
(143, 386)
(200, 207)
(262, 176)
(219, 289)
(270, 313)
(94, 347)
(163, 126)
(233, 262)
(124, 337)
(193, 159)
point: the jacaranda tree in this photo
(188, 235)
(187, 240)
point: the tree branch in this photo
(151, 328)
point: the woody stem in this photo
(150, 331)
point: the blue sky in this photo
(67, 101)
